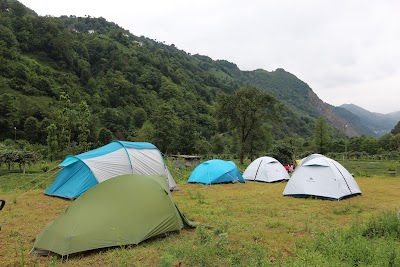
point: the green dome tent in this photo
(121, 211)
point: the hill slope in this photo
(125, 80)
(354, 120)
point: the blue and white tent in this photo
(216, 171)
(83, 171)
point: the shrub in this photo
(385, 225)
(374, 243)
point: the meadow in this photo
(248, 224)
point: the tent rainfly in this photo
(83, 171)
(216, 171)
(322, 177)
(125, 210)
(266, 169)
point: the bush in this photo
(375, 243)
(386, 225)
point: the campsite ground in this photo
(252, 224)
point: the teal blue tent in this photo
(216, 171)
(81, 172)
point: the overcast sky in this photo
(347, 51)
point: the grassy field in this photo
(252, 225)
(370, 168)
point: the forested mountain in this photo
(378, 123)
(86, 80)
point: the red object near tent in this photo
(286, 167)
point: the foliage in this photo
(186, 137)
(11, 156)
(166, 123)
(259, 141)
(395, 142)
(246, 110)
(105, 136)
(84, 118)
(96, 81)
(396, 129)
(321, 135)
(385, 225)
(52, 143)
(283, 152)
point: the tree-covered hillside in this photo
(74, 83)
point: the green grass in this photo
(252, 225)
(370, 168)
(374, 243)
(39, 175)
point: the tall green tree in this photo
(84, 117)
(384, 142)
(32, 129)
(145, 133)
(395, 141)
(245, 110)
(105, 136)
(166, 125)
(202, 146)
(260, 141)
(64, 121)
(185, 141)
(115, 120)
(139, 117)
(9, 115)
(52, 143)
(219, 143)
(321, 135)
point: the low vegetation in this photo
(248, 224)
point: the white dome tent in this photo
(322, 177)
(266, 169)
(309, 157)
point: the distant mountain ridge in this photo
(354, 120)
(297, 95)
(377, 123)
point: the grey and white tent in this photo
(322, 177)
(266, 169)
